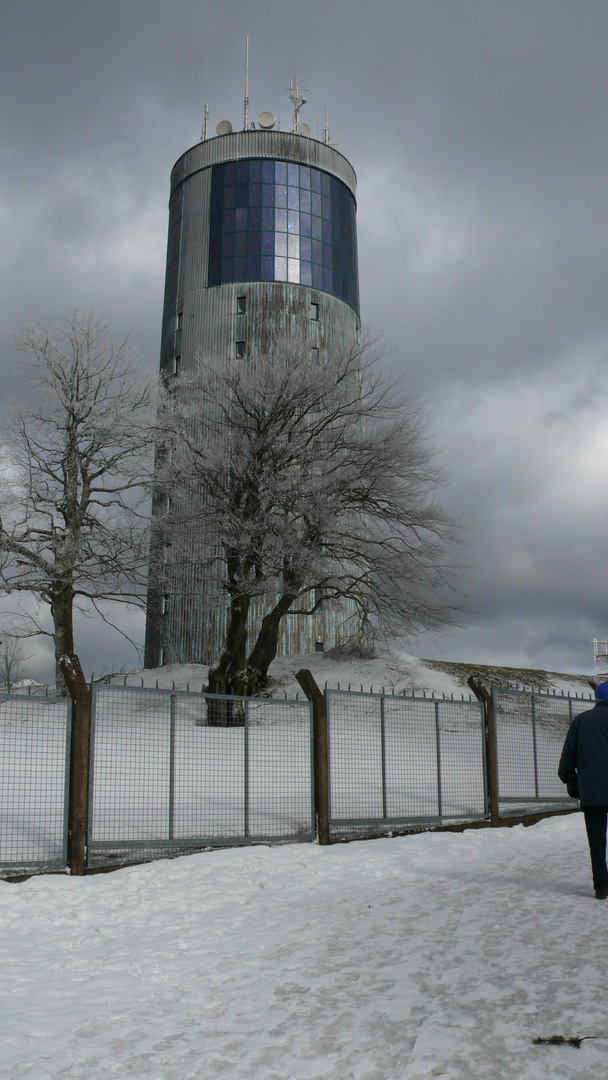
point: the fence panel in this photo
(399, 762)
(530, 732)
(34, 782)
(163, 781)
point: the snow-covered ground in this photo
(437, 955)
(392, 668)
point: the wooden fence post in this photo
(79, 763)
(321, 772)
(486, 698)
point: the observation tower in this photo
(262, 245)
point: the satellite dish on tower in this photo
(305, 130)
(224, 127)
(267, 120)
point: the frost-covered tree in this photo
(13, 655)
(73, 507)
(302, 481)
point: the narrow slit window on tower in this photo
(314, 352)
(240, 350)
(314, 312)
(241, 305)
(180, 319)
(165, 604)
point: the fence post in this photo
(79, 763)
(171, 766)
(319, 722)
(438, 745)
(487, 700)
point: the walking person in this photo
(583, 768)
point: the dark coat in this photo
(583, 765)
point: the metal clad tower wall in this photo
(267, 216)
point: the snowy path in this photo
(402, 959)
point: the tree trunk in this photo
(62, 610)
(265, 648)
(223, 676)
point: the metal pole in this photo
(246, 766)
(91, 775)
(383, 740)
(171, 766)
(66, 797)
(246, 102)
(438, 745)
(534, 746)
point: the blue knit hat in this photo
(601, 692)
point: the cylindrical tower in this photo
(262, 244)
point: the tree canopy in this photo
(75, 461)
(299, 481)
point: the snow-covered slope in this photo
(391, 669)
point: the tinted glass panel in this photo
(278, 221)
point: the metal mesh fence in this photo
(169, 775)
(173, 771)
(530, 733)
(34, 757)
(397, 762)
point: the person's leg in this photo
(595, 823)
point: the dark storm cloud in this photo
(478, 133)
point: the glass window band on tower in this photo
(280, 221)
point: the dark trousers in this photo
(595, 823)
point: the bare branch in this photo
(302, 483)
(76, 465)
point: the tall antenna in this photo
(326, 128)
(246, 103)
(205, 131)
(298, 98)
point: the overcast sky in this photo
(479, 133)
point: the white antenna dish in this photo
(224, 127)
(267, 120)
(305, 130)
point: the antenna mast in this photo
(205, 132)
(298, 98)
(246, 102)
(326, 128)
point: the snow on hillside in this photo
(437, 955)
(391, 669)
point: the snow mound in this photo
(391, 669)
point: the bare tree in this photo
(301, 482)
(73, 507)
(13, 655)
